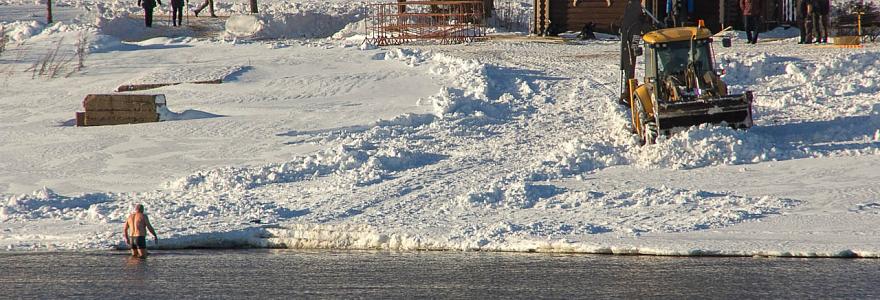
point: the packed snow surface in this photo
(317, 140)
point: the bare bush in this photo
(9, 69)
(82, 48)
(52, 64)
(3, 39)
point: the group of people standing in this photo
(813, 20)
(176, 10)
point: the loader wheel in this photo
(648, 125)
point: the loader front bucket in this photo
(736, 110)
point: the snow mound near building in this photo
(292, 24)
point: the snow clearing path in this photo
(498, 145)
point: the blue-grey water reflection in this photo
(360, 274)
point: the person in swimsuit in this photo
(135, 232)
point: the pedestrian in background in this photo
(177, 12)
(802, 19)
(678, 12)
(822, 9)
(809, 21)
(751, 10)
(148, 6)
(209, 4)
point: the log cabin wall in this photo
(571, 15)
(606, 18)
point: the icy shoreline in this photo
(312, 240)
(483, 147)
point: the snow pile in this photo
(465, 94)
(516, 194)
(360, 237)
(637, 211)
(20, 31)
(468, 96)
(412, 57)
(707, 145)
(296, 23)
(576, 156)
(361, 162)
(848, 74)
(668, 209)
(244, 26)
(747, 69)
(278, 19)
(45, 203)
(798, 81)
(356, 29)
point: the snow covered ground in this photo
(505, 145)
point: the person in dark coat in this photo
(587, 33)
(809, 21)
(821, 9)
(209, 4)
(751, 10)
(148, 6)
(802, 20)
(678, 12)
(177, 12)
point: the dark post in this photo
(48, 11)
(253, 6)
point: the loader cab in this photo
(671, 59)
(668, 54)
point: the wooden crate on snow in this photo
(115, 109)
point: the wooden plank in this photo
(114, 102)
(97, 118)
(142, 86)
(148, 86)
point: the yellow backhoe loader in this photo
(681, 87)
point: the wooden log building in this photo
(556, 16)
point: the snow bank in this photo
(20, 31)
(509, 193)
(45, 203)
(671, 210)
(295, 23)
(362, 162)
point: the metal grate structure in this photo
(445, 22)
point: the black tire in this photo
(648, 130)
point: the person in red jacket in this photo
(751, 10)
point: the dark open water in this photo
(362, 274)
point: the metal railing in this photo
(445, 22)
